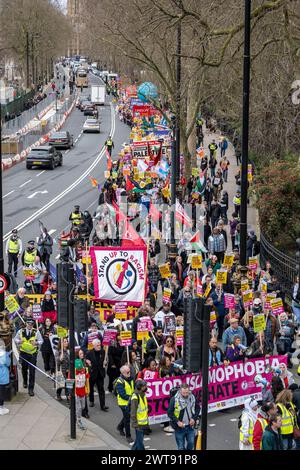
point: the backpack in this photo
(115, 386)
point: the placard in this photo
(253, 263)
(166, 294)
(37, 312)
(126, 338)
(165, 270)
(61, 332)
(244, 285)
(142, 330)
(179, 336)
(221, 277)
(259, 323)
(195, 172)
(270, 296)
(228, 261)
(121, 310)
(207, 290)
(196, 262)
(277, 306)
(11, 304)
(247, 298)
(109, 336)
(229, 301)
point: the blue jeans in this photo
(139, 440)
(288, 443)
(183, 434)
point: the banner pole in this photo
(127, 349)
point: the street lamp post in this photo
(172, 245)
(206, 309)
(178, 96)
(1, 215)
(245, 136)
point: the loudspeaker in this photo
(80, 315)
(63, 291)
(193, 334)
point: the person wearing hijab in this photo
(248, 420)
(286, 376)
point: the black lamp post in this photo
(245, 136)
(1, 215)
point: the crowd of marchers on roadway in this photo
(271, 424)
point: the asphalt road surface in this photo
(50, 196)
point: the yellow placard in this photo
(213, 316)
(125, 336)
(244, 285)
(61, 332)
(114, 175)
(165, 270)
(11, 304)
(148, 180)
(228, 260)
(195, 172)
(264, 286)
(207, 290)
(247, 296)
(259, 323)
(28, 272)
(253, 262)
(221, 277)
(88, 260)
(196, 262)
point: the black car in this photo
(44, 156)
(89, 109)
(61, 140)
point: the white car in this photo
(91, 125)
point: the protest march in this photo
(130, 336)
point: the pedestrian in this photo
(115, 351)
(231, 331)
(266, 411)
(248, 420)
(48, 307)
(90, 335)
(213, 147)
(45, 243)
(235, 351)
(287, 410)
(81, 386)
(5, 362)
(272, 438)
(183, 412)
(76, 216)
(109, 144)
(29, 254)
(39, 272)
(28, 340)
(124, 390)
(217, 244)
(215, 354)
(47, 330)
(154, 342)
(233, 224)
(13, 251)
(139, 413)
(97, 361)
(62, 359)
(237, 202)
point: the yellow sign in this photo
(89, 260)
(196, 262)
(165, 270)
(207, 290)
(114, 175)
(213, 316)
(195, 171)
(247, 296)
(253, 262)
(28, 272)
(244, 285)
(61, 332)
(259, 323)
(264, 286)
(228, 260)
(221, 277)
(11, 304)
(126, 337)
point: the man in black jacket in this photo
(152, 343)
(97, 361)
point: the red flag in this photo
(129, 185)
(130, 237)
(155, 213)
(109, 160)
(182, 216)
(195, 238)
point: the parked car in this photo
(91, 125)
(44, 156)
(61, 140)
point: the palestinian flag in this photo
(129, 185)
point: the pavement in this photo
(41, 423)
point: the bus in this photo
(81, 79)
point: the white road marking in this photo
(211, 425)
(233, 419)
(66, 191)
(169, 434)
(53, 230)
(147, 447)
(75, 141)
(147, 438)
(24, 183)
(40, 173)
(8, 194)
(67, 151)
(37, 192)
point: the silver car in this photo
(91, 125)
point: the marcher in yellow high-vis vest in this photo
(139, 413)
(13, 251)
(124, 387)
(75, 216)
(29, 254)
(28, 340)
(287, 411)
(248, 420)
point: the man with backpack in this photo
(123, 389)
(183, 412)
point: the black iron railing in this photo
(284, 267)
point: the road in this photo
(50, 196)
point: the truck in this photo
(98, 94)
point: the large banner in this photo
(228, 386)
(119, 274)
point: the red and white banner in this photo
(119, 274)
(228, 386)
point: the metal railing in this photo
(284, 267)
